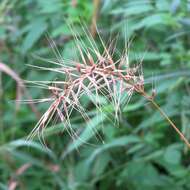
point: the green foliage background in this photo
(143, 151)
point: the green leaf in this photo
(52, 6)
(3, 186)
(100, 164)
(91, 127)
(156, 117)
(155, 19)
(162, 5)
(118, 142)
(61, 30)
(36, 29)
(140, 174)
(137, 9)
(13, 145)
(146, 56)
(172, 155)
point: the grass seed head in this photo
(96, 75)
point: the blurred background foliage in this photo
(142, 151)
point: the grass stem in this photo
(168, 119)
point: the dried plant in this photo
(94, 75)
(20, 87)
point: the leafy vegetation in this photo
(141, 151)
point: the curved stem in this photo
(167, 119)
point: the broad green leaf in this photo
(162, 5)
(3, 186)
(101, 164)
(133, 10)
(13, 145)
(52, 6)
(118, 142)
(140, 174)
(27, 158)
(172, 155)
(36, 29)
(61, 30)
(155, 19)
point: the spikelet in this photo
(94, 75)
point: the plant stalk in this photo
(168, 120)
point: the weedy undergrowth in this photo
(95, 74)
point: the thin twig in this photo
(167, 118)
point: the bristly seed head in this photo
(96, 75)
